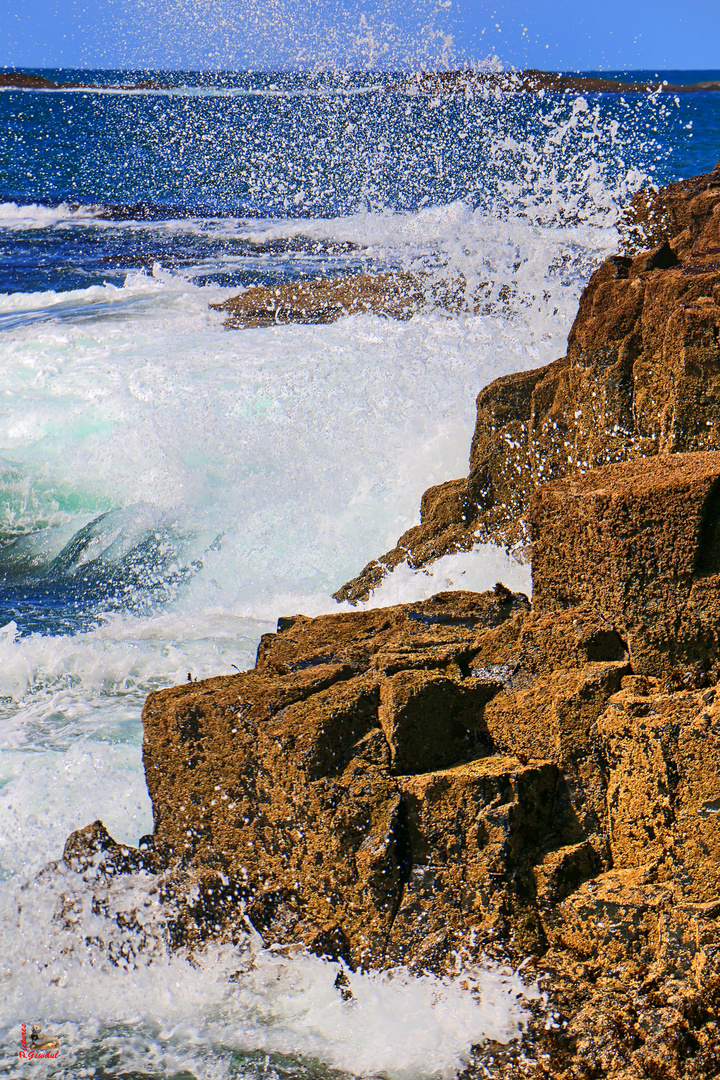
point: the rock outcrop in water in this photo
(535, 81)
(641, 377)
(463, 81)
(394, 295)
(24, 80)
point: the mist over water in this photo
(169, 488)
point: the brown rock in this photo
(25, 80)
(639, 548)
(432, 633)
(661, 755)
(399, 784)
(678, 211)
(287, 775)
(429, 719)
(533, 80)
(93, 850)
(579, 831)
(460, 758)
(395, 294)
(118, 905)
(552, 720)
(474, 832)
(640, 378)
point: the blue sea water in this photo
(168, 487)
(290, 145)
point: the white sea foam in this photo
(46, 795)
(37, 216)
(287, 456)
(171, 1014)
(139, 293)
(477, 571)
(184, 91)
(124, 655)
(306, 448)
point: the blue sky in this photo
(555, 35)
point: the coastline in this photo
(456, 813)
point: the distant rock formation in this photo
(641, 377)
(464, 81)
(24, 80)
(553, 82)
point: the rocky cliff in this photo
(472, 775)
(641, 377)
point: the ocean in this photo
(169, 487)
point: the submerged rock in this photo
(641, 377)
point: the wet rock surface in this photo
(296, 769)
(641, 377)
(638, 543)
